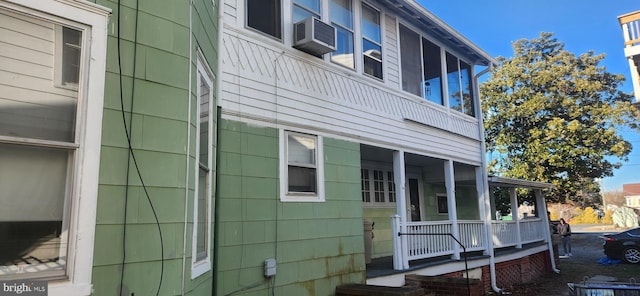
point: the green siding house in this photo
(108, 144)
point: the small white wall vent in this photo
(313, 36)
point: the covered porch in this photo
(442, 212)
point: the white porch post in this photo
(485, 215)
(450, 183)
(397, 244)
(514, 215)
(401, 209)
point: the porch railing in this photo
(428, 246)
(505, 233)
(532, 230)
(471, 234)
(631, 28)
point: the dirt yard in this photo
(587, 250)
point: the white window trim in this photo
(285, 196)
(93, 19)
(200, 267)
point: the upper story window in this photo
(422, 74)
(459, 84)
(265, 16)
(303, 9)
(342, 19)
(371, 41)
(302, 173)
(432, 70)
(410, 61)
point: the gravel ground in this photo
(587, 250)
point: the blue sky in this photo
(582, 25)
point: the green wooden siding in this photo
(317, 245)
(159, 136)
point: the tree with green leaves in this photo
(552, 116)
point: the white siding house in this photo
(403, 86)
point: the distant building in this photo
(630, 23)
(632, 195)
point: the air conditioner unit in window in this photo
(313, 36)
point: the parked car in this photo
(624, 245)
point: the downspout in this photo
(216, 204)
(485, 181)
(186, 190)
(540, 199)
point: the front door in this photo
(413, 199)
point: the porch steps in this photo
(370, 290)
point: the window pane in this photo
(302, 179)
(467, 89)
(378, 185)
(31, 105)
(341, 13)
(391, 186)
(432, 72)
(301, 149)
(311, 5)
(453, 82)
(371, 24)
(344, 52)
(372, 58)
(264, 16)
(31, 228)
(303, 9)
(364, 174)
(71, 55)
(301, 14)
(410, 61)
(204, 94)
(202, 235)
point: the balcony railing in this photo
(428, 239)
(631, 28)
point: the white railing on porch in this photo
(532, 230)
(423, 240)
(505, 233)
(432, 239)
(428, 239)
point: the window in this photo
(342, 19)
(443, 204)
(371, 41)
(378, 186)
(265, 16)
(302, 167)
(202, 203)
(432, 70)
(459, 83)
(366, 185)
(303, 9)
(410, 61)
(427, 81)
(67, 57)
(50, 141)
